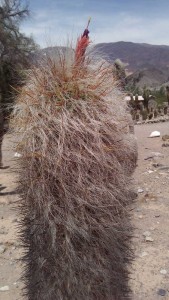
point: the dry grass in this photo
(77, 157)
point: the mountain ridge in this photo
(137, 55)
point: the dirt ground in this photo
(150, 216)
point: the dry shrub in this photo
(74, 182)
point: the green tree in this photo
(15, 47)
(15, 51)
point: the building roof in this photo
(128, 98)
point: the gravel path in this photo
(150, 270)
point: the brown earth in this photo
(150, 270)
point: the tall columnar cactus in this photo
(74, 182)
(167, 92)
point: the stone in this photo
(150, 171)
(2, 249)
(163, 272)
(154, 155)
(165, 137)
(17, 154)
(143, 254)
(165, 145)
(161, 292)
(157, 165)
(140, 190)
(157, 154)
(147, 233)
(157, 216)
(4, 288)
(149, 239)
(154, 134)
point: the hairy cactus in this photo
(155, 113)
(165, 110)
(74, 183)
(144, 114)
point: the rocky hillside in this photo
(151, 77)
(138, 56)
(147, 65)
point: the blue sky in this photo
(54, 22)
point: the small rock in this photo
(4, 288)
(148, 157)
(165, 137)
(17, 154)
(154, 134)
(154, 155)
(157, 216)
(144, 253)
(147, 233)
(140, 190)
(156, 165)
(157, 154)
(163, 272)
(149, 239)
(161, 292)
(2, 249)
(165, 145)
(150, 171)
(140, 216)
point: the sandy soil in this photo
(150, 270)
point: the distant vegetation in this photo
(15, 50)
(147, 66)
(160, 95)
(145, 103)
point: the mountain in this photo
(137, 56)
(150, 77)
(147, 65)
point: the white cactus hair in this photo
(75, 185)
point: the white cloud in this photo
(56, 26)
